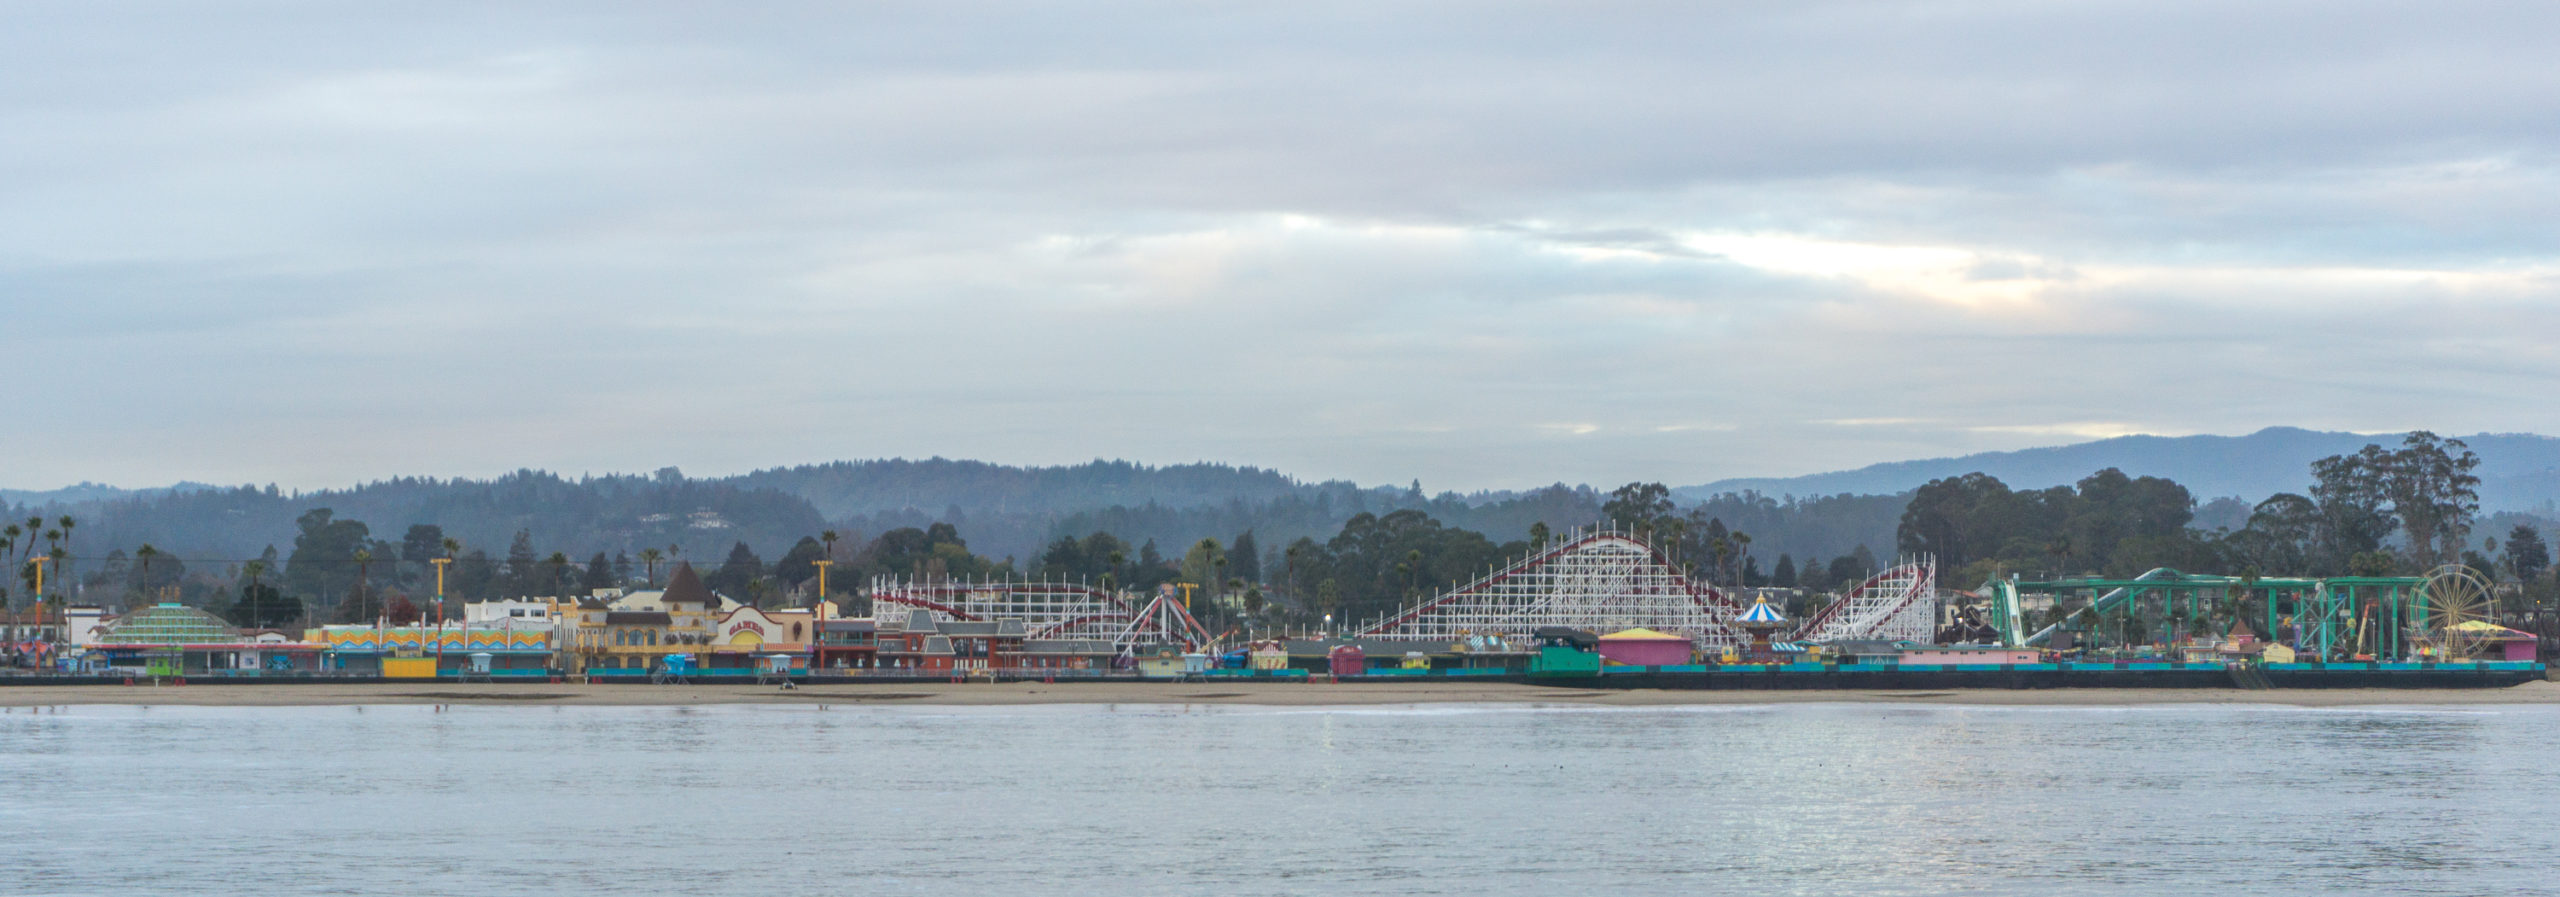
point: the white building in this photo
(80, 624)
(511, 612)
(652, 601)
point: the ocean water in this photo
(1146, 799)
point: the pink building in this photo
(1644, 648)
(1950, 655)
(2501, 643)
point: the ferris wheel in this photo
(2456, 612)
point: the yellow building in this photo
(600, 637)
(746, 634)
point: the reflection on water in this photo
(1801, 799)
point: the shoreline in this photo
(1211, 693)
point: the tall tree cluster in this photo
(2117, 525)
(1376, 564)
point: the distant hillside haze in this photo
(2518, 471)
(1004, 511)
(88, 492)
(850, 488)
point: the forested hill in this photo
(1003, 511)
(581, 515)
(2518, 471)
(1014, 512)
(851, 488)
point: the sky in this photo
(1479, 245)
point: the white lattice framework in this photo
(1164, 621)
(1900, 603)
(1048, 610)
(1598, 580)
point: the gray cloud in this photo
(1483, 245)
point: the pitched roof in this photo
(1641, 634)
(686, 585)
(1763, 612)
(2493, 630)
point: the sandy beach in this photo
(1276, 694)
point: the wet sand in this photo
(1308, 694)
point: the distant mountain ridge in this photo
(848, 488)
(2518, 471)
(88, 491)
(1013, 511)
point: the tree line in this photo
(2379, 511)
(2401, 509)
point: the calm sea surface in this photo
(1795, 799)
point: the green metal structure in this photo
(2332, 618)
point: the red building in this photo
(1050, 655)
(847, 645)
(920, 643)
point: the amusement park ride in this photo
(1606, 580)
(2449, 614)
(1600, 580)
(1053, 610)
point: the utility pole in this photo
(440, 565)
(818, 608)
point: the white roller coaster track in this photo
(1598, 580)
(1900, 603)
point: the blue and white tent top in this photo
(1762, 612)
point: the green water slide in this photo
(2011, 622)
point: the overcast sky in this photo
(1483, 245)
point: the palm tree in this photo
(559, 562)
(452, 550)
(649, 557)
(1741, 552)
(145, 554)
(364, 579)
(60, 557)
(255, 569)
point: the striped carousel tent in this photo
(1762, 612)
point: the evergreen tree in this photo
(1784, 576)
(422, 543)
(738, 574)
(474, 577)
(799, 564)
(1244, 558)
(263, 606)
(2527, 555)
(525, 576)
(322, 566)
(598, 575)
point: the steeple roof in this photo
(685, 585)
